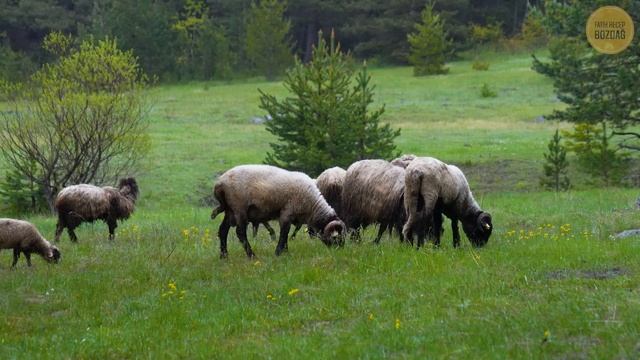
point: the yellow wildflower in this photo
(293, 291)
(397, 324)
(371, 317)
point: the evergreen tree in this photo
(597, 88)
(596, 155)
(429, 44)
(268, 47)
(556, 166)
(327, 121)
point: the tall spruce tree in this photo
(429, 44)
(326, 122)
(268, 46)
(555, 169)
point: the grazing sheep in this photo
(433, 188)
(23, 237)
(403, 161)
(259, 193)
(373, 193)
(330, 183)
(87, 203)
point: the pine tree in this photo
(268, 46)
(556, 166)
(429, 44)
(326, 122)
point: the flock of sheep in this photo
(409, 195)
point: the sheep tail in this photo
(218, 192)
(413, 184)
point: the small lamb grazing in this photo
(433, 188)
(330, 183)
(23, 237)
(373, 193)
(259, 193)
(87, 203)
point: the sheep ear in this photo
(484, 221)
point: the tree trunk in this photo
(308, 50)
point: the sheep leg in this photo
(295, 231)
(72, 234)
(16, 256)
(437, 228)
(381, 231)
(272, 233)
(112, 229)
(223, 233)
(284, 237)
(241, 232)
(59, 229)
(28, 256)
(456, 232)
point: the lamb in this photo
(259, 193)
(330, 183)
(432, 188)
(373, 193)
(87, 203)
(23, 237)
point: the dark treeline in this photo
(197, 39)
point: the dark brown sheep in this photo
(87, 203)
(23, 237)
(259, 193)
(433, 188)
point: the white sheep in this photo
(433, 188)
(259, 193)
(23, 237)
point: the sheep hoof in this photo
(223, 255)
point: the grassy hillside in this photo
(550, 283)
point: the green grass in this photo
(105, 299)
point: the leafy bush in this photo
(21, 195)
(429, 44)
(14, 65)
(489, 34)
(81, 119)
(596, 155)
(487, 92)
(480, 65)
(326, 121)
(533, 32)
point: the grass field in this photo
(551, 283)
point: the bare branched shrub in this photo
(81, 119)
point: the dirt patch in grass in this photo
(597, 274)
(503, 175)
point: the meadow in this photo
(551, 283)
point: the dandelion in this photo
(293, 291)
(546, 336)
(397, 324)
(371, 317)
(271, 297)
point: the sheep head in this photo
(333, 233)
(52, 255)
(129, 186)
(478, 229)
